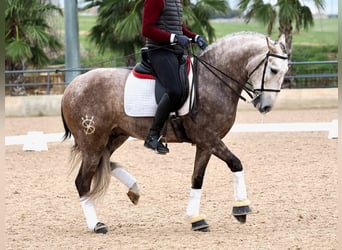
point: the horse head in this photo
(267, 72)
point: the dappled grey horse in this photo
(93, 113)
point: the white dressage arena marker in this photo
(333, 132)
(37, 140)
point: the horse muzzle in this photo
(260, 104)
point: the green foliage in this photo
(197, 16)
(28, 36)
(117, 27)
(291, 15)
(18, 50)
(321, 39)
(118, 24)
(314, 53)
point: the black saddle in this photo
(144, 67)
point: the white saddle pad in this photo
(140, 100)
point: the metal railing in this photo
(37, 78)
(42, 81)
(314, 74)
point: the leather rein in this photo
(252, 93)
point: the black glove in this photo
(201, 42)
(182, 40)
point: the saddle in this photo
(144, 70)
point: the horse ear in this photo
(282, 42)
(270, 45)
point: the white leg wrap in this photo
(89, 212)
(240, 193)
(194, 203)
(122, 175)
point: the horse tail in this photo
(67, 133)
(102, 176)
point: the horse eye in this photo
(274, 71)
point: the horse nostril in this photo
(265, 109)
(256, 100)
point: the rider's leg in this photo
(166, 65)
(152, 141)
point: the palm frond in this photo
(320, 4)
(306, 17)
(128, 28)
(28, 30)
(197, 16)
(18, 50)
(37, 35)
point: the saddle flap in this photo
(140, 94)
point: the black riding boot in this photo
(152, 140)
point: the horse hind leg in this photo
(95, 172)
(101, 169)
(197, 220)
(128, 180)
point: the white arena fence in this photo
(37, 140)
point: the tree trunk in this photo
(15, 78)
(130, 59)
(286, 29)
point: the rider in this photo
(167, 39)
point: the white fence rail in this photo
(37, 140)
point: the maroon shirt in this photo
(152, 11)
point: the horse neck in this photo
(234, 67)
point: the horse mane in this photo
(227, 37)
(240, 33)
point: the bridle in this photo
(252, 93)
(262, 89)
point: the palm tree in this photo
(290, 14)
(118, 26)
(28, 35)
(197, 15)
(29, 39)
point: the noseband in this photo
(249, 91)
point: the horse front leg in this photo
(197, 220)
(241, 205)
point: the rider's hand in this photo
(182, 40)
(201, 42)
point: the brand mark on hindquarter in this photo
(88, 125)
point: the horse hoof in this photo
(199, 224)
(241, 218)
(134, 194)
(133, 197)
(100, 228)
(240, 213)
